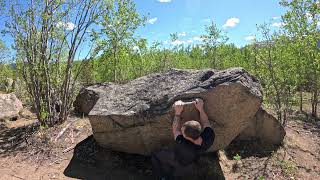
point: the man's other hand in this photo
(198, 103)
(178, 107)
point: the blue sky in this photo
(189, 17)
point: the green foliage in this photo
(288, 167)
(43, 126)
(212, 39)
(301, 27)
(47, 36)
(7, 81)
(3, 50)
(286, 62)
(237, 157)
(7, 72)
(115, 37)
(43, 115)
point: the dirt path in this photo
(29, 154)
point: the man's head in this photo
(191, 129)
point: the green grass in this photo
(237, 157)
(288, 167)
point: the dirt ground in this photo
(298, 158)
(69, 151)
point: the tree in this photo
(276, 70)
(6, 71)
(212, 39)
(138, 61)
(48, 34)
(118, 32)
(4, 53)
(301, 21)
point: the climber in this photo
(192, 139)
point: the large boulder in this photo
(10, 106)
(136, 117)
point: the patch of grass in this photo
(237, 157)
(237, 165)
(288, 167)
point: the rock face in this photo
(136, 117)
(86, 99)
(10, 106)
(264, 127)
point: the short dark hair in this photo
(192, 129)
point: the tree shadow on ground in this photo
(90, 161)
(307, 122)
(305, 116)
(14, 140)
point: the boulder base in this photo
(136, 117)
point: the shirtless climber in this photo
(192, 139)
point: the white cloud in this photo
(136, 48)
(276, 17)
(190, 41)
(180, 42)
(207, 20)
(177, 42)
(250, 38)
(197, 38)
(69, 26)
(309, 16)
(164, 1)
(60, 24)
(88, 31)
(231, 22)
(278, 24)
(152, 20)
(183, 34)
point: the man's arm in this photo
(204, 120)
(176, 125)
(208, 134)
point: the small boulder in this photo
(10, 107)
